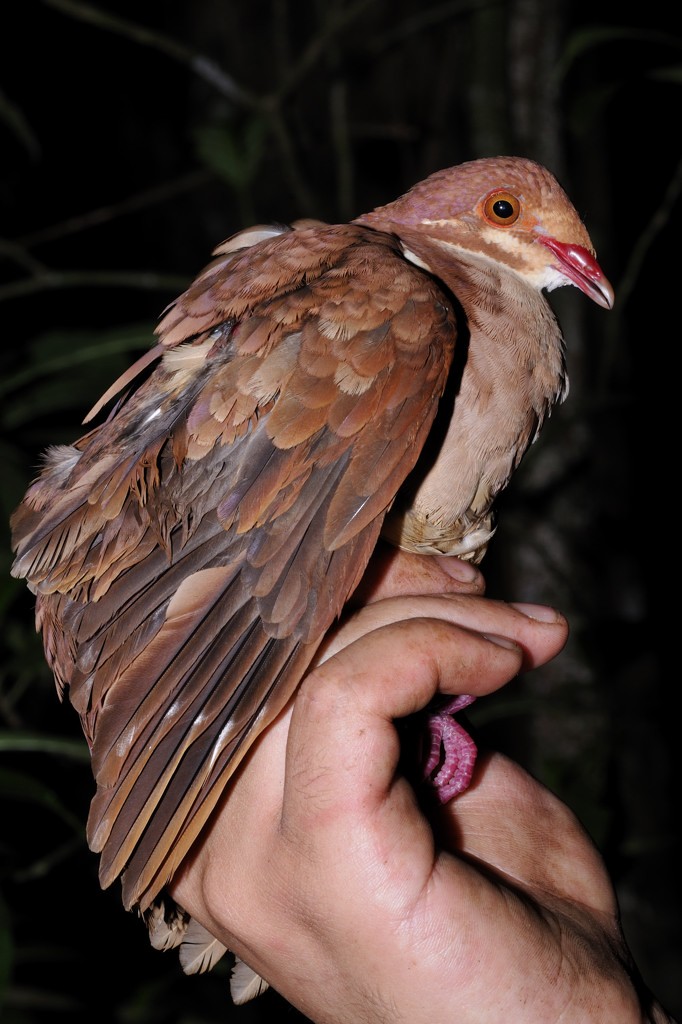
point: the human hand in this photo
(321, 870)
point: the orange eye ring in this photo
(502, 208)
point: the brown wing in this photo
(189, 554)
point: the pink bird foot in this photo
(453, 752)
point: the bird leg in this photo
(452, 755)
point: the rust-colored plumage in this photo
(189, 553)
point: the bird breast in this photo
(511, 372)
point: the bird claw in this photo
(452, 755)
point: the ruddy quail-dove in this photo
(316, 385)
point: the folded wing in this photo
(189, 553)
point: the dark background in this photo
(135, 137)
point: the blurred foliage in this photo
(143, 136)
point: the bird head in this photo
(509, 210)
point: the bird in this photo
(317, 387)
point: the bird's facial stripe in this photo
(482, 238)
(488, 242)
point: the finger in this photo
(343, 747)
(539, 631)
(392, 573)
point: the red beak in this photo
(580, 267)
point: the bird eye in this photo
(502, 208)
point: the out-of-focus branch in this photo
(104, 214)
(52, 279)
(657, 222)
(199, 63)
(336, 22)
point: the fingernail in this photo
(465, 572)
(501, 641)
(541, 612)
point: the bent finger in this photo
(539, 631)
(343, 747)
